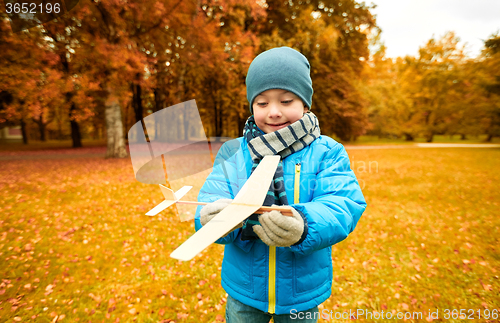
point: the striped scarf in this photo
(283, 142)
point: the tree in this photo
(29, 78)
(437, 82)
(78, 104)
(441, 91)
(491, 70)
(150, 54)
(391, 111)
(109, 41)
(334, 38)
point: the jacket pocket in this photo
(237, 267)
(311, 272)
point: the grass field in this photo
(75, 245)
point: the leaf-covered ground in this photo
(75, 245)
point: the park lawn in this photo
(34, 145)
(75, 245)
(376, 140)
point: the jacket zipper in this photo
(296, 188)
(272, 250)
(272, 280)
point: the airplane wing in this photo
(248, 200)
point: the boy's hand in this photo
(278, 230)
(209, 211)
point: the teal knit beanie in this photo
(280, 68)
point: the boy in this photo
(274, 265)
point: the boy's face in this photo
(276, 109)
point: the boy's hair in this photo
(280, 68)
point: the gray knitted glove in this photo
(278, 230)
(209, 211)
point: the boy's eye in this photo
(287, 101)
(261, 104)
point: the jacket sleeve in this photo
(336, 206)
(220, 184)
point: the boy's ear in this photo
(306, 109)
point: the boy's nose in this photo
(274, 111)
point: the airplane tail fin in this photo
(167, 193)
(170, 198)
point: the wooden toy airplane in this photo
(247, 202)
(172, 197)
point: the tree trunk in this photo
(241, 125)
(137, 102)
(138, 108)
(160, 97)
(186, 124)
(220, 129)
(114, 128)
(24, 132)
(125, 120)
(41, 127)
(216, 120)
(430, 137)
(75, 128)
(161, 85)
(59, 127)
(409, 137)
(217, 116)
(95, 133)
(180, 97)
(159, 91)
(463, 137)
(488, 139)
(343, 128)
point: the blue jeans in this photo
(237, 312)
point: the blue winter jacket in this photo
(279, 279)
